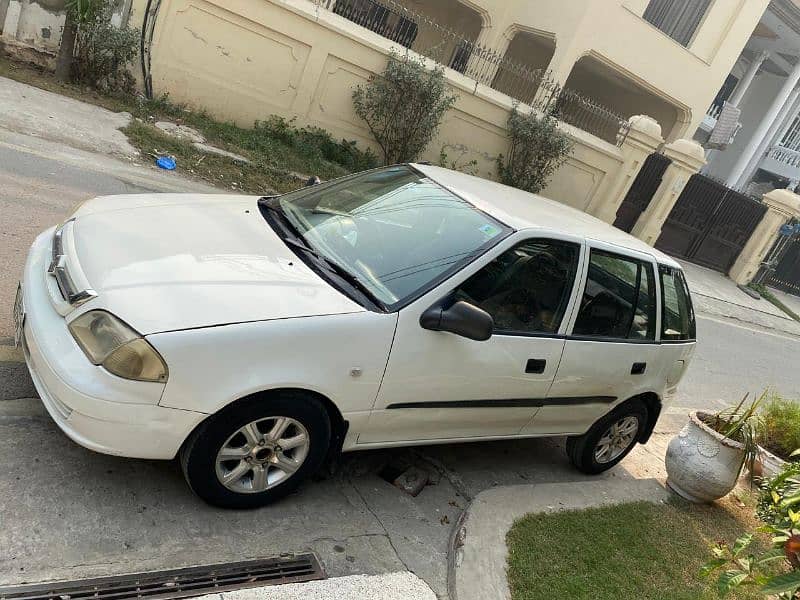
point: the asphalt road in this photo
(67, 512)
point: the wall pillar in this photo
(643, 139)
(782, 205)
(11, 24)
(687, 159)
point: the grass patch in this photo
(639, 550)
(770, 297)
(277, 150)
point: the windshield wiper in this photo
(338, 270)
(297, 240)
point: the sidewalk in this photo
(716, 295)
(36, 112)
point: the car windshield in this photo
(393, 229)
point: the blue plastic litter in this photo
(166, 162)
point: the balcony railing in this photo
(786, 156)
(534, 87)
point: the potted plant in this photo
(779, 436)
(775, 571)
(706, 458)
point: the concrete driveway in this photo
(66, 512)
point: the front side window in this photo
(677, 319)
(394, 230)
(679, 19)
(618, 300)
(526, 289)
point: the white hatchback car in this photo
(407, 305)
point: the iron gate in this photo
(642, 191)
(710, 224)
(786, 276)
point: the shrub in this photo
(314, 142)
(102, 51)
(403, 107)
(781, 426)
(537, 149)
(469, 167)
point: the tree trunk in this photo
(66, 50)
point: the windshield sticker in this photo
(489, 230)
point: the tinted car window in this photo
(677, 320)
(527, 288)
(619, 299)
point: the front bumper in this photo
(78, 394)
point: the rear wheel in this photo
(609, 440)
(257, 450)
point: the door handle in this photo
(638, 368)
(535, 365)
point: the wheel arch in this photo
(339, 425)
(652, 402)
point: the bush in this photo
(537, 149)
(314, 142)
(781, 423)
(403, 107)
(102, 51)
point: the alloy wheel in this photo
(616, 440)
(262, 454)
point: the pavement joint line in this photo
(11, 354)
(783, 315)
(748, 326)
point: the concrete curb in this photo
(477, 554)
(391, 586)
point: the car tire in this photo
(227, 464)
(587, 453)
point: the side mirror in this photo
(461, 318)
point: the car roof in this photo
(525, 211)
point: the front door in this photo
(611, 354)
(441, 386)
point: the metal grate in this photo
(176, 583)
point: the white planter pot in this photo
(702, 465)
(767, 465)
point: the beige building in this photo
(628, 80)
(663, 58)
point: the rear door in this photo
(611, 352)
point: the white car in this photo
(254, 338)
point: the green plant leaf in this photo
(788, 582)
(712, 566)
(742, 543)
(729, 580)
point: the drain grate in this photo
(176, 583)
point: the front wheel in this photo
(609, 440)
(257, 450)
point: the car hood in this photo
(165, 262)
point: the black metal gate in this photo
(710, 224)
(786, 276)
(642, 191)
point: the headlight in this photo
(109, 342)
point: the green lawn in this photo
(631, 551)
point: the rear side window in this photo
(619, 299)
(677, 319)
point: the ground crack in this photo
(380, 522)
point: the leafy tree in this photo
(537, 149)
(403, 107)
